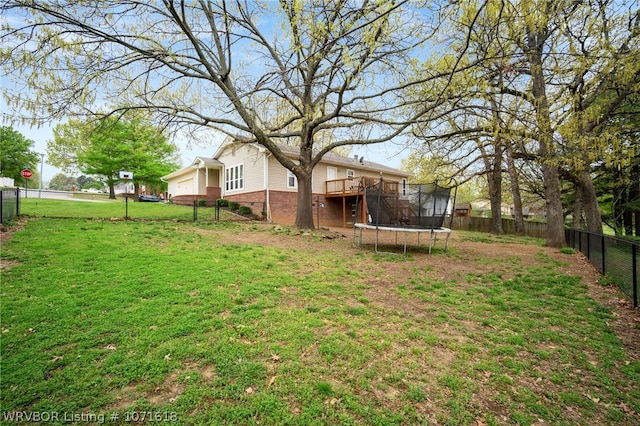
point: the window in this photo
(292, 181)
(350, 173)
(234, 178)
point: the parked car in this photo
(149, 198)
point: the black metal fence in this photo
(616, 258)
(9, 203)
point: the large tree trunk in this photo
(515, 191)
(634, 196)
(536, 38)
(494, 181)
(304, 212)
(112, 189)
(589, 201)
(578, 222)
(494, 177)
(619, 196)
(304, 173)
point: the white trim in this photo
(234, 178)
(295, 180)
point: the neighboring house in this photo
(482, 208)
(463, 209)
(249, 175)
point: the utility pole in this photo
(41, 167)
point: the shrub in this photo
(222, 202)
(245, 210)
(202, 203)
(233, 205)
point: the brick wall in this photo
(256, 201)
(213, 193)
(326, 211)
(284, 204)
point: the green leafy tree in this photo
(130, 143)
(86, 182)
(535, 93)
(16, 153)
(62, 182)
(618, 175)
(337, 68)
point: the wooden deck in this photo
(355, 186)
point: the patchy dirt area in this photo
(626, 324)
(5, 234)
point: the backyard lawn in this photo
(251, 323)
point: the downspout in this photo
(266, 185)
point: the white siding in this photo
(186, 186)
(278, 176)
(253, 162)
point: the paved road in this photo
(58, 195)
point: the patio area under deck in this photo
(351, 190)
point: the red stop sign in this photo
(26, 173)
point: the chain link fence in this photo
(9, 203)
(65, 205)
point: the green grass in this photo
(192, 320)
(103, 208)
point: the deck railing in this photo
(351, 186)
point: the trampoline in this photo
(405, 208)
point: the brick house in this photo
(249, 175)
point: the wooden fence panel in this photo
(483, 224)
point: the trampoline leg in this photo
(376, 246)
(431, 235)
(405, 241)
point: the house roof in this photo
(361, 163)
(206, 161)
(330, 158)
(197, 162)
(291, 151)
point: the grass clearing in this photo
(104, 208)
(244, 323)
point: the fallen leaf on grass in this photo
(249, 390)
(167, 357)
(595, 400)
(56, 359)
(272, 380)
(624, 408)
(110, 347)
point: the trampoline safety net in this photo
(423, 206)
